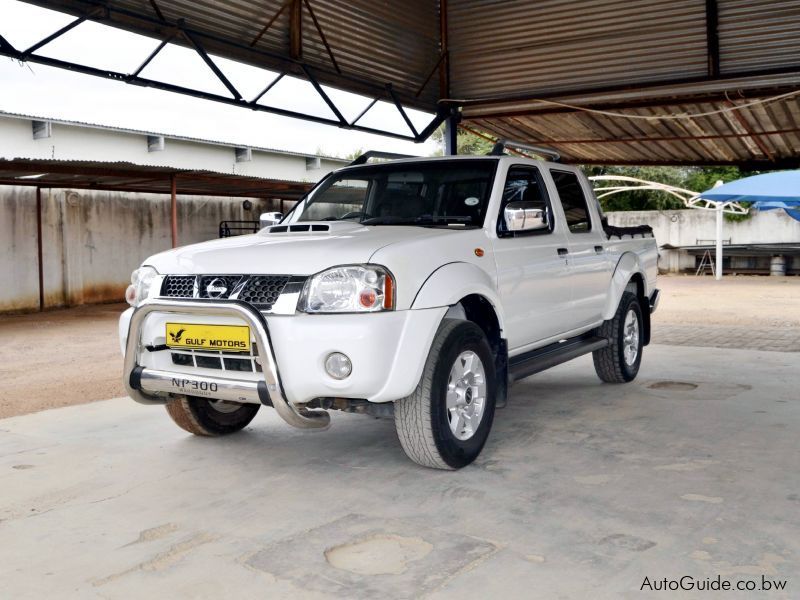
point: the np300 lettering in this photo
(416, 289)
(204, 386)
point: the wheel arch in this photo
(470, 294)
(451, 283)
(629, 276)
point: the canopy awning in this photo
(129, 177)
(768, 191)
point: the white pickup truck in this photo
(414, 288)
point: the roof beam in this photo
(747, 165)
(117, 76)
(141, 19)
(400, 109)
(211, 64)
(56, 34)
(270, 22)
(296, 30)
(712, 37)
(752, 135)
(651, 89)
(657, 138)
(322, 36)
(154, 53)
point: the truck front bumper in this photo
(149, 386)
(387, 350)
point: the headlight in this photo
(139, 289)
(353, 288)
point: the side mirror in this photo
(523, 216)
(270, 218)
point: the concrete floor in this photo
(583, 490)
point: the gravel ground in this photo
(754, 313)
(64, 357)
(59, 358)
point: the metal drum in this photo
(777, 266)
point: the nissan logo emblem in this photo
(216, 288)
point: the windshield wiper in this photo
(443, 220)
(388, 220)
(422, 220)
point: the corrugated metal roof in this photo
(504, 56)
(758, 34)
(764, 134)
(373, 43)
(516, 45)
(129, 177)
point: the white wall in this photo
(93, 240)
(72, 142)
(693, 227)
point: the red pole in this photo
(174, 212)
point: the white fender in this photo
(451, 282)
(627, 266)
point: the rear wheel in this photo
(210, 417)
(445, 422)
(619, 362)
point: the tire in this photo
(423, 419)
(616, 363)
(200, 417)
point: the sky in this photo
(47, 92)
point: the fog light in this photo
(338, 366)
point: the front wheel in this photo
(619, 362)
(445, 422)
(210, 417)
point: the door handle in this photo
(562, 251)
(598, 249)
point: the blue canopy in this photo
(780, 189)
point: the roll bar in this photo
(360, 160)
(502, 144)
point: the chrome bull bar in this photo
(142, 383)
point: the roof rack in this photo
(360, 160)
(502, 144)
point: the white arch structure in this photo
(623, 183)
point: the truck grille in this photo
(262, 291)
(178, 286)
(225, 361)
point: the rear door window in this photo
(573, 200)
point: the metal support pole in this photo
(718, 259)
(39, 245)
(451, 135)
(173, 213)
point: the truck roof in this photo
(457, 157)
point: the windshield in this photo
(438, 193)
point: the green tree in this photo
(468, 143)
(696, 179)
(354, 154)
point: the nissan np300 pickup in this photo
(414, 288)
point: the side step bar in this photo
(538, 360)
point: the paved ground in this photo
(583, 491)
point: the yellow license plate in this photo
(231, 338)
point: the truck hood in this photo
(278, 251)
